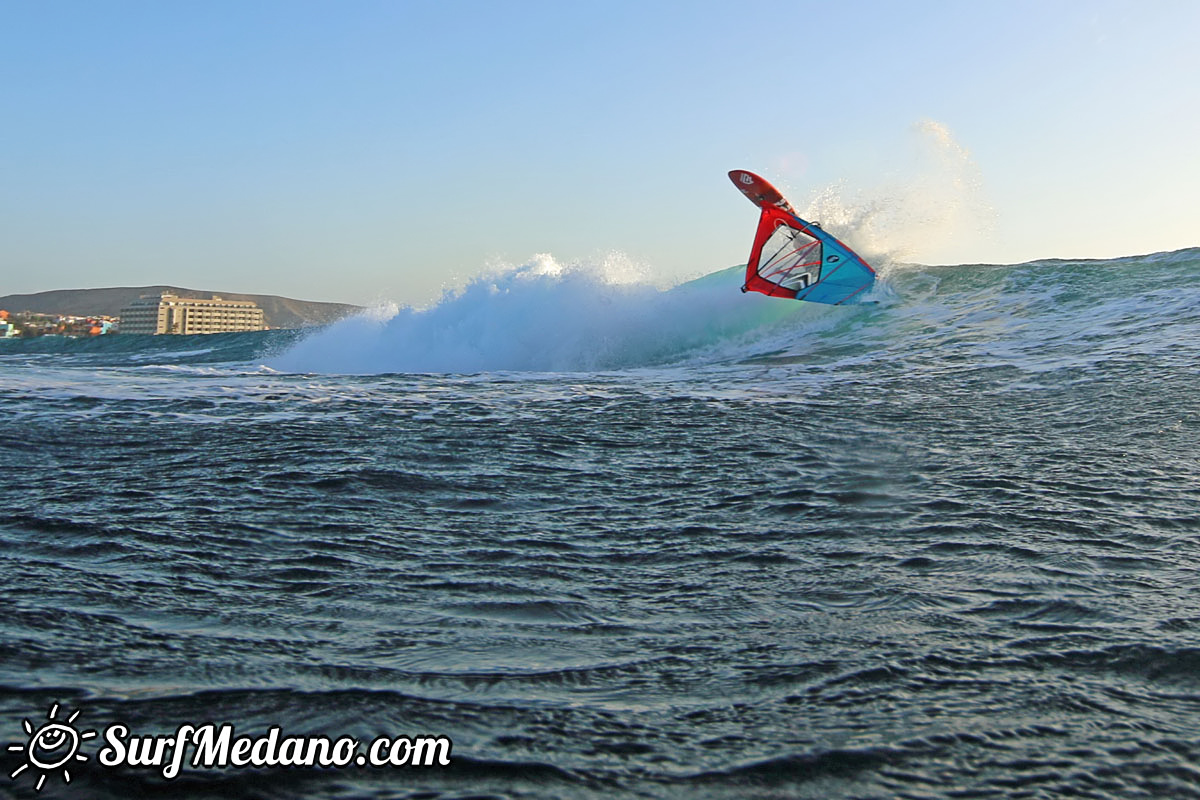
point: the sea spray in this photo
(931, 207)
(544, 315)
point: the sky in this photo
(363, 151)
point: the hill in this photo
(278, 312)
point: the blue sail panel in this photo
(845, 277)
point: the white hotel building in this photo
(167, 313)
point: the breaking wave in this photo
(544, 316)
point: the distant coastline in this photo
(278, 312)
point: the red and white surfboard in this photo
(759, 190)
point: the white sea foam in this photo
(545, 315)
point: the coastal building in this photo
(168, 313)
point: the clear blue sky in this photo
(357, 151)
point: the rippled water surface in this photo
(945, 545)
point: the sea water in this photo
(618, 541)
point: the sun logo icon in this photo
(53, 746)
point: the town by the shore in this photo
(80, 313)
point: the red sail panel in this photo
(786, 258)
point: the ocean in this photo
(616, 540)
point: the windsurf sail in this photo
(795, 258)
